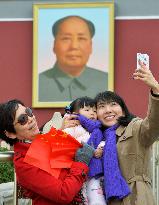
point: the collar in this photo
(125, 132)
(120, 130)
(20, 147)
(64, 81)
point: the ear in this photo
(54, 47)
(91, 47)
(10, 134)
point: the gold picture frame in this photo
(45, 93)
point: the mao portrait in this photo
(70, 75)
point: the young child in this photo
(85, 108)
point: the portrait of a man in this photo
(72, 52)
(70, 77)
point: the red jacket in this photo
(43, 188)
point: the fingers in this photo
(70, 121)
(145, 75)
(142, 70)
(139, 76)
(142, 74)
(70, 116)
(98, 153)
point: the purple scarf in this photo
(96, 136)
(114, 184)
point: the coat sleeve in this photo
(79, 133)
(149, 129)
(39, 182)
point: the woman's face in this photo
(109, 112)
(29, 128)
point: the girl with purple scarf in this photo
(89, 132)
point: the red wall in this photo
(131, 36)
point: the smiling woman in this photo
(24, 123)
(128, 143)
(112, 109)
(18, 127)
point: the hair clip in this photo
(68, 109)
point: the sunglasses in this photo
(23, 118)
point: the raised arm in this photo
(149, 131)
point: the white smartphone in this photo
(143, 58)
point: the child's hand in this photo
(98, 152)
(69, 120)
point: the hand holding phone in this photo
(144, 59)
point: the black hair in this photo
(109, 96)
(80, 103)
(55, 27)
(7, 117)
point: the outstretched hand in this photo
(145, 75)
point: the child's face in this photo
(89, 112)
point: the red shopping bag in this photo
(52, 151)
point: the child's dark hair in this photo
(80, 103)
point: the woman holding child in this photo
(18, 127)
(128, 144)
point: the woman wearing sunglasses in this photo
(18, 127)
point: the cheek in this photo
(83, 113)
(22, 131)
(120, 113)
(100, 114)
(60, 48)
(87, 49)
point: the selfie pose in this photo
(128, 144)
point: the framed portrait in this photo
(73, 52)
